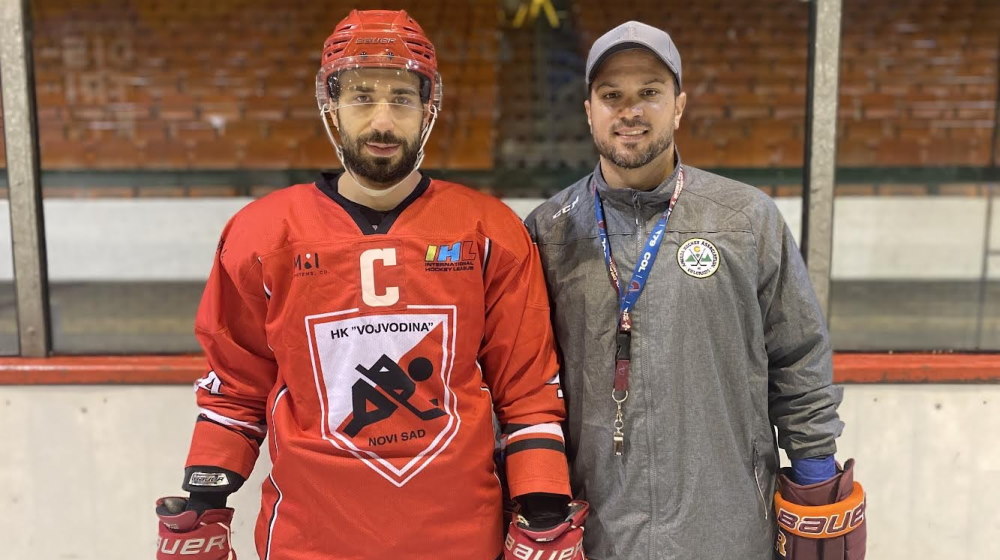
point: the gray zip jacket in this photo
(719, 360)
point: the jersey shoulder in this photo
(474, 203)
(264, 225)
(484, 212)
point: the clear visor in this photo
(366, 83)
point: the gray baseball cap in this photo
(631, 35)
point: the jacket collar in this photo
(654, 198)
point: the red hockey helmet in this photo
(378, 39)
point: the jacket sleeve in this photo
(520, 366)
(230, 328)
(802, 398)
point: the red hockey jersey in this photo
(372, 357)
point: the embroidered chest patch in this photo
(698, 258)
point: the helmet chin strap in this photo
(327, 115)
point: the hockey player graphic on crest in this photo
(391, 383)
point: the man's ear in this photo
(586, 106)
(679, 104)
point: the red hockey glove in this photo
(193, 535)
(561, 542)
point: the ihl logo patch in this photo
(384, 384)
(455, 257)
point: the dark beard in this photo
(380, 170)
(627, 159)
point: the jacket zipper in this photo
(640, 230)
(756, 480)
(635, 205)
(640, 242)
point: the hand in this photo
(563, 541)
(193, 535)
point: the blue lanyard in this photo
(627, 300)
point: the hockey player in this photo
(678, 370)
(369, 324)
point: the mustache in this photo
(638, 121)
(381, 138)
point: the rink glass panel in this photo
(916, 230)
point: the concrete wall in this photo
(918, 238)
(82, 466)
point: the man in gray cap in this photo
(685, 374)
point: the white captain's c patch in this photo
(698, 258)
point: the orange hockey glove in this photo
(825, 520)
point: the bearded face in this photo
(630, 145)
(381, 157)
(633, 108)
(380, 118)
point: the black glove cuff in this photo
(543, 511)
(201, 501)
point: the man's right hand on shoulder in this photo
(193, 534)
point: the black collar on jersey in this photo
(369, 221)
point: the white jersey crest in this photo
(383, 381)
